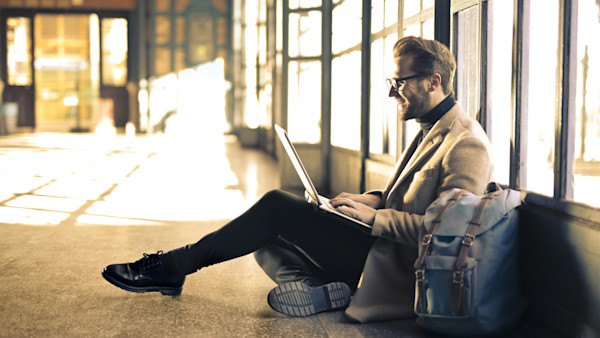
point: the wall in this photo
(560, 255)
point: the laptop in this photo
(311, 194)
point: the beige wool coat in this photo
(454, 154)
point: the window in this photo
(346, 75)
(294, 4)
(18, 45)
(417, 21)
(304, 101)
(345, 101)
(499, 82)
(467, 51)
(114, 52)
(587, 127)
(383, 133)
(538, 122)
(304, 72)
(252, 114)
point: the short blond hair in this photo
(430, 57)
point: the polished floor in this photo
(71, 204)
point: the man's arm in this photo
(466, 165)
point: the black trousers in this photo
(291, 239)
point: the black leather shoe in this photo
(146, 275)
(300, 300)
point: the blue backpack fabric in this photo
(467, 272)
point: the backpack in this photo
(467, 271)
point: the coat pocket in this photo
(422, 190)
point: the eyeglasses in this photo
(397, 84)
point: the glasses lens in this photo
(392, 83)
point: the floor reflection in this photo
(54, 179)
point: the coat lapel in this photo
(408, 164)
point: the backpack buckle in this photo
(458, 277)
(420, 275)
(427, 239)
(468, 240)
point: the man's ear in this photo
(435, 81)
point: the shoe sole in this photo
(300, 300)
(163, 290)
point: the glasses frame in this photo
(397, 84)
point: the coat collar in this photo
(416, 153)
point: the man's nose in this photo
(393, 92)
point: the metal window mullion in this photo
(483, 74)
(326, 58)
(401, 141)
(173, 27)
(285, 59)
(365, 91)
(441, 21)
(519, 94)
(152, 47)
(566, 91)
(141, 41)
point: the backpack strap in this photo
(419, 272)
(467, 242)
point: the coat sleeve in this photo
(398, 226)
(467, 165)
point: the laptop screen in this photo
(293, 155)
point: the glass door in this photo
(66, 71)
(19, 88)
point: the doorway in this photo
(67, 68)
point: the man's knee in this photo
(273, 195)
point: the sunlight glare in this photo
(92, 220)
(31, 217)
(47, 203)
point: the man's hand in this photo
(361, 206)
(370, 200)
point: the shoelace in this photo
(149, 261)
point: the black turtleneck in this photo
(428, 120)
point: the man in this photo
(317, 258)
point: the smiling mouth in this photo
(401, 100)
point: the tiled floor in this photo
(71, 204)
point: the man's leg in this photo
(332, 244)
(283, 262)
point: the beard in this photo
(413, 106)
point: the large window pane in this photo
(347, 25)
(162, 61)
(428, 29)
(163, 29)
(305, 34)
(391, 12)
(114, 52)
(378, 89)
(18, 45)
(293, 4)
(383, 126)
(587, 128)
(411, 8)
(500, 78)
(345, 105)
(390, 106)
(304, 101)
(467, 57)
(377, 14)
(541, 110)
